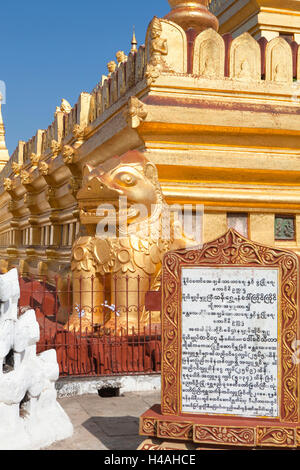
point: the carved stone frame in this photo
(233, 250)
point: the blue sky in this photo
(57, 49)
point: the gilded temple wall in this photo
(218, 116)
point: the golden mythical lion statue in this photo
(124, 197)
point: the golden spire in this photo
(4, 155)
(133, 42)
(192, 15)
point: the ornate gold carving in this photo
(133, 43)
(148, 426)
(220, 435)
(80, 132)
(121, 57)
(43, 168)
(279, 437)
(16, 168)
(149, 445)
(173, 430)
(83, 255)
(65, 106)
(223, 435)
(231, 249)
(55, 148)
(26, 177)
(7, 184)
(112, 67)
(135, 112)
(68, 154)
(34, 158)
(158, 49)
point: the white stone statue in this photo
(30, 416)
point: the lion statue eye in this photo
(127, 179)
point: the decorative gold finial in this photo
(192, 15)
(133, 42)
(121, 57)
(111, 66)
(4, 155)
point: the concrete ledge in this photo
(69, 387)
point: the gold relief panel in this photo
(279, 61)
(68, 153)
(223, 435)
(135, 112)
(209, 55)
(148, 426)
(26, 177)
(173, 430)
(80, 132)
(43, 168)
(149, 445)
(7, 184)
(16, 168)
(166, 49)
(278, 437)
(34, 158)
(245, 58)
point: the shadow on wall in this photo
(115, 433)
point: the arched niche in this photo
(245, 59)
(209, 54)
(279, 61)
(175, 39)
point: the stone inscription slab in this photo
(230, 341)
